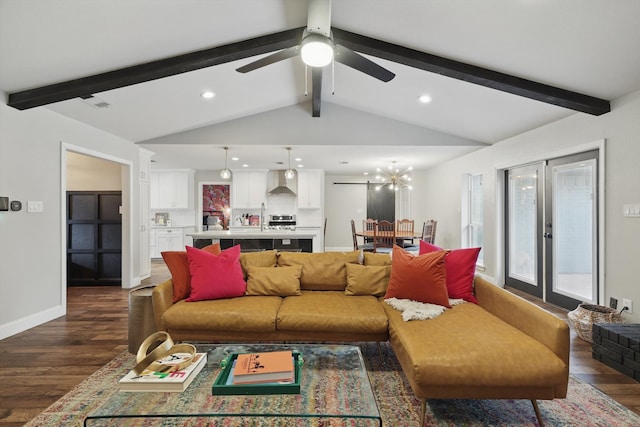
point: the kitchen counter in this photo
(252, 234)
(256, 240)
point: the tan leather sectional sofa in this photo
(503, 347)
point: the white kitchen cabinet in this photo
(153, 245)
(249, 189)
(145, 164)
(145, 235)
(169, 239)
(310, 189)
(144, 188)
(171, 189)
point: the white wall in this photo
(620, 128)
(86, 173)
(32, 289)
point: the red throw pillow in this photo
(215, 276)
(178, 265)
(461, 269)
(418, 278)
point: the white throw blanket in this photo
(414, 310)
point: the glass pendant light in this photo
(289, 173)
(225, 173)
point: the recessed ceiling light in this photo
(365, 173)
(207, 94)
(424, 99)
(298, 159)
(235, 159)
(245, 165)
(300, 165)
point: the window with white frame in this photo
(472, 235)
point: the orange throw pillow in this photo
(418, 278)
(178, 265)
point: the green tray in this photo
(220, 386)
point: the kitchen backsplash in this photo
(280, 204)
(178, 218)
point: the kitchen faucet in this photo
(262, 209)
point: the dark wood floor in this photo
(40, 365)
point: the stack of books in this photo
(259, 368)
(166, 380)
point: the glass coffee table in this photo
(334, 391)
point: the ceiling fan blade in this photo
(354, 60)
(271, 59)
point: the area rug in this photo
(584, 405)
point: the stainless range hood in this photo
(277, 183)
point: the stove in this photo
(281, 222)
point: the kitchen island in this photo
(255, 240)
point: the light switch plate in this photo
(35, 206)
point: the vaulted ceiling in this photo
(493, 69)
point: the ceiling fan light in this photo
(316, 51)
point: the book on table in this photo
(167, 381)
(266, 367)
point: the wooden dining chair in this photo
(369, 225)
(429, 231)
(405, 226)
(384, 236)
(366, 246)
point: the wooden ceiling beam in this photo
(87, 86)
(472, 74)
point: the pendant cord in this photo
(306, 81)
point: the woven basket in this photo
(585, 315)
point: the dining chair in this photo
(369, 225)
(405, 226)
(429, 231)
(367, 247)
(384, 236)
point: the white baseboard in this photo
(29, 322)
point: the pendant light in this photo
(289, 173)
(225, 173)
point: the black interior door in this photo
(94, 238)
(381, 204)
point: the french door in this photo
(523, 222)
(552, 229)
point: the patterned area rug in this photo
(584, 405)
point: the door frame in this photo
(128, 280)
(558, 298)
(538, 157)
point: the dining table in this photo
(401, 236)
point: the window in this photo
(472, 220)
